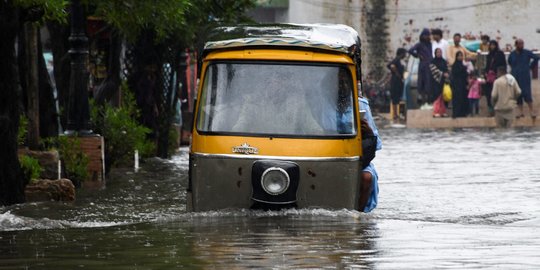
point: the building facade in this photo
(385, 25)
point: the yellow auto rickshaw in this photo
(276, 121)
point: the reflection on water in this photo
(463, 199)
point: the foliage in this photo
(23, 130)
(179, 20)
(132, 17)
(52, 10)
(123, 133)
(212, 13)
(74, 159)
(30, 167)
(173, 139)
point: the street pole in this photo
(78, 108)
(78, 124)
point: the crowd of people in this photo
(445, 67)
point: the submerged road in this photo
(449, 199)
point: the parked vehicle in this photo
(276, 121)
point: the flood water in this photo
(467, 199)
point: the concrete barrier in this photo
(424, 118)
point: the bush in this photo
(23, 130)
(74, 159)
(123, 133)
(173, 139)
(30, 167)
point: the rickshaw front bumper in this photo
(239, 181)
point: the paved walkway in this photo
(424, 119)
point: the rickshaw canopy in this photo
(329, 37)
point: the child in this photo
(474, 93)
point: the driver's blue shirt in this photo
(372, 201)
(345, 121)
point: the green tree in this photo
(123, 133)
(159, 31)
(13, 14)
(154, 28)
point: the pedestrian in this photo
(458, 82)
(505, 92)
(396, 82)
(522, 61)
(494, 60)
(438, 42)
(454, 48)
(483, 49)
(484, 45)
(475, 93)
(422, 50)
(369, 188)
(439, 72)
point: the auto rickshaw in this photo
(276, 121)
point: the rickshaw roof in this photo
(332, 37)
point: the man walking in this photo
(522, 61)
(504, 95)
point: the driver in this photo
(369, 187)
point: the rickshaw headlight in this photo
(275, 181)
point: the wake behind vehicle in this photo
(276, 121)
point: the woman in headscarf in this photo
(439, 72)
(495, 59)
(423, 51)
(458, 82)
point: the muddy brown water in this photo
(467, 199)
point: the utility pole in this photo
(78, 108)
(78, 118)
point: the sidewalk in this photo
(424, 118)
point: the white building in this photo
(385, 25)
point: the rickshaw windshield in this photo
(277, 99)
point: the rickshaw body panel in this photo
(224, 181)
(278, 54)
(329, 167)
(268, 146)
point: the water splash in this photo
(12, 222)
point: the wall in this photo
(385, 25)
(503, 20)
(357, 14)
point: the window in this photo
(277, 99)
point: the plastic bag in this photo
(447, 92)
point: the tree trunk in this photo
(144, 78)
(48, 117)
(32, 84)
(22, 66)
(107, 91)
(11, 179)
